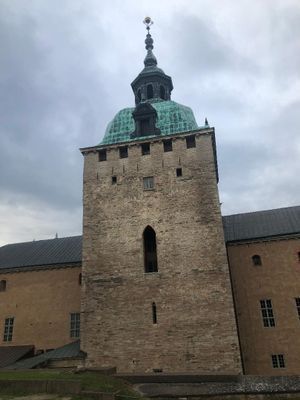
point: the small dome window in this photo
(162, 92)
(149, 92)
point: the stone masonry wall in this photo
(195, 328)
(278, 279)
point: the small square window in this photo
(278, 361)
(178, 172)
(123, 151)
(148, 183)
(145, 149)
(190, 141)
(113, 180)
(102, 155)
(168, 145)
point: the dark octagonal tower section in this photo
(156, 288)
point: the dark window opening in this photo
(139, 96)
(278, 361)
(123, 152)
(2, 285)
(178, 172)
(150, 254)
(38, 352)
(190, 141)
(256, 259)
(154, 313)
(267, 313)
(168, 146)
(102, 155)
(299, 256)
(145, 127)
(113, 180)
(149, 92)
(80, 279)
(148, 183)
(8, 329)
(75, 325)
(162, 92)
(297, 300)
(145, 149)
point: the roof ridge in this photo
(261, 211)
(41, 240)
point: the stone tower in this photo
(156, 293)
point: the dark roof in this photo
(70, 350)
(11, 354)
(262, 224)
(41, 252)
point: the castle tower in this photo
(156, 286)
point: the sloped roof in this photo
(41, 252)
(262, 224)
(11, 354)
(70, 350)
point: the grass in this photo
(90, 381)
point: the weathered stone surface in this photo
(196, 328)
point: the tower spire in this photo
(150, 58)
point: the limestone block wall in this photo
(195, 329)
(40, 301)
(278, 279)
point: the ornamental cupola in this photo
(151, 83)
(154, 114)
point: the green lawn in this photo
(90, 381)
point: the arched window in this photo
(150, 255)
(256, 259)
(162, 92)
(149, 92)
(139, 96)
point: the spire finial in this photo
(150, 57)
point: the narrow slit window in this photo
(102, 155)
(267, 313)
(190, 141)
(297, 301)
(256, 259)
(113, 180)
(150, 253)
(3, 285)
(178, 172)
(168, 146)
(8, 329)
(299, 256)
(80, 279)
(145, 149)
(123, 151)
(154, 313)
(162, 92)
(278, 361)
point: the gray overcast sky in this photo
(66, 68)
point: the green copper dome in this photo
(171, 118)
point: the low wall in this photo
(40, 386)
(239, 386)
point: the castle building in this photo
(159, 281)
(157, 294)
